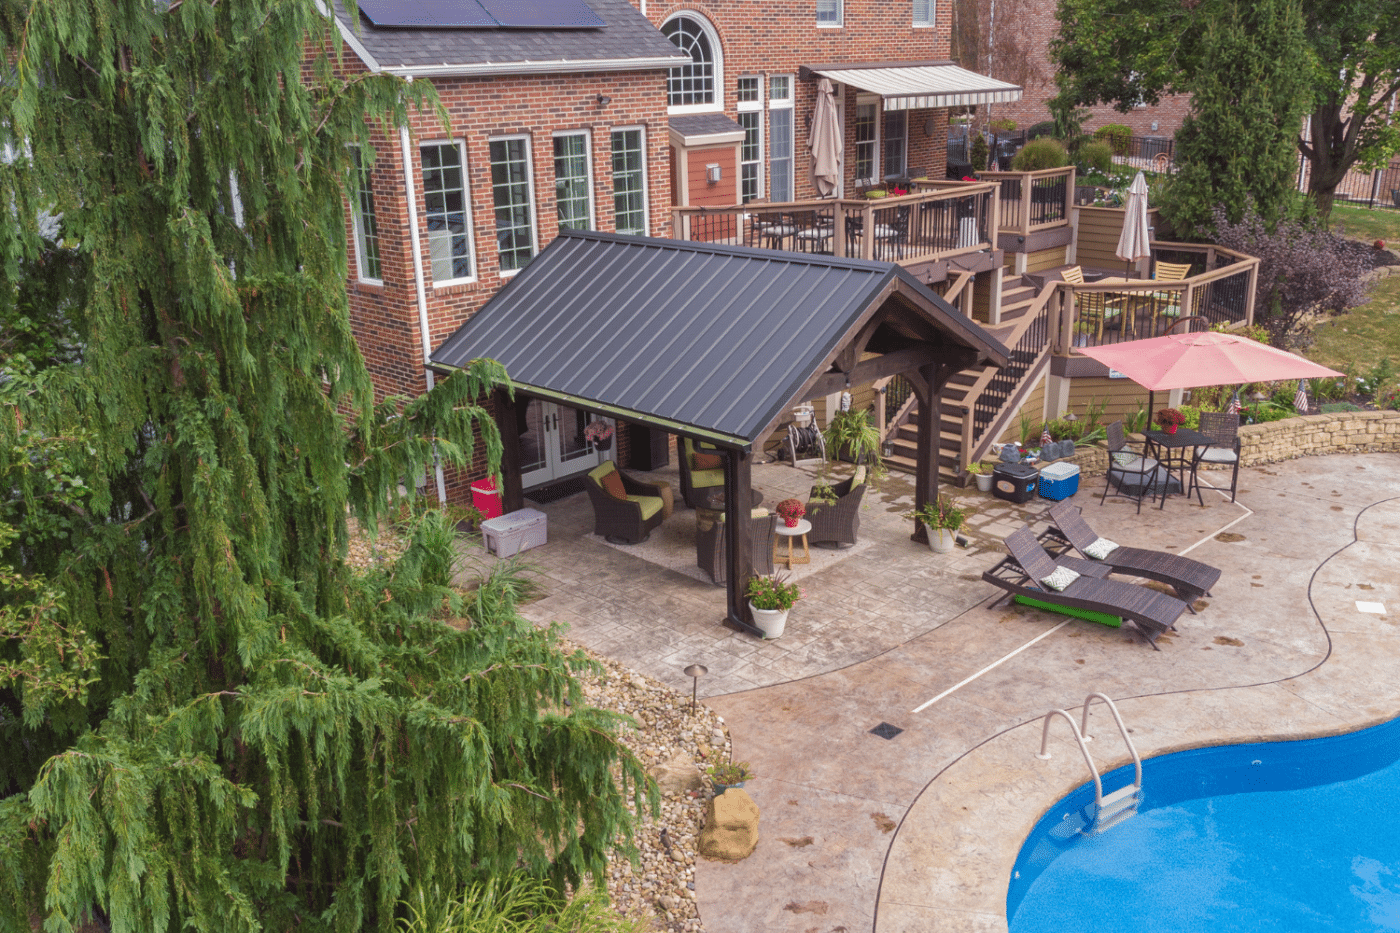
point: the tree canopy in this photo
(1127, 52)
(210, 720)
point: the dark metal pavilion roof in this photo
(705, 339)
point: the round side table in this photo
(799, 531)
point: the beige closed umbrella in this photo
(825, 142)
(1133, 242)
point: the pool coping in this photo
(952, 874)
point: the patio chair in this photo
(834, 524)
(702, 469)
(1190, 578)
(1072, 274)
(1124, 463)
(712, 544)
(625, 519)
(1023, 573)
(1223, 429)
(1171, 271)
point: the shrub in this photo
(980, 152)
(1044, 128)
(1390, 398)
(1116, 135)
(1265, 412)
(1002, 126)
(1040, 154)
(1097, 155)
(1192, 414)
(1332, 408)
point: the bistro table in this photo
(1177, 453)
(800, 530)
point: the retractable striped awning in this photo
(921, 87)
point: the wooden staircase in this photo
(977, 404)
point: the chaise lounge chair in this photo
(1022, 574)
(1190, 578)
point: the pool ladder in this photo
(1114, 808)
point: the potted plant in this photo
(724, 775)
(850, 435)
(1170, 419)
(792, 511)
(942, 518)
(599, 434)
(982, 473)
(770, 598)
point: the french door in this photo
(552, 445)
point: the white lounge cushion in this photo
(1061, 578)
(1101, 548)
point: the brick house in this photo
(605, 127)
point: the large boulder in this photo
(676, 775)
(731, 826)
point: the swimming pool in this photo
(1291, 836)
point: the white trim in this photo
(932, 15)
(709, 139)
(356, 223)
(708, 28)
(646, 172)
(467, 212)
(352, 40)
(416, 242)
(559, 66)
(877, 158)
(587, 135)
(840, 16)
(529, 198)
(786, 105)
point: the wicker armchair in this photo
(696, 483)
(834, 524)
(1223, 429)
(624, 521)
(1127, 465)
(712, 546)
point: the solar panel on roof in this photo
(428, 13)
(543, 14)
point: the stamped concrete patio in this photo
(919, 831)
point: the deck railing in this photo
(937, 221)
(1033, 201)
(1220, 290)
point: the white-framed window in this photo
(780, 138)
(896, 141)
(829, 13)
(923, 13)
(573, 179)
(512, 195)
(750, 102)
(698, 86)
(629, 176)
(446, 213)
(367, 265)
(867, 130)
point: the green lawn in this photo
(1367, 224)
(1364, 334)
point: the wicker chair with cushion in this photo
(712, 544)
(1190, 578)
(1125, 464)
(1027, 571)
(834, 524)
(702, 469)
(625, 510)
(1223, 429)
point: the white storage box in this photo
(516, 532)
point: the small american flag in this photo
(1045, 437)
(1234, 408)
(1300, 401)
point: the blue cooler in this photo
(1059, 481)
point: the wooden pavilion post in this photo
(512, 493)
(926, 444)
(738, 480)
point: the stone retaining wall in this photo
(1349, 432)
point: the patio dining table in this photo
(1179, 453)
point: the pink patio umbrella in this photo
(825, 141)
(1184, 361)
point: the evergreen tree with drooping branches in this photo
(209, 720)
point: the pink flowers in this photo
(792, 511)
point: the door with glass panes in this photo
(552, 442)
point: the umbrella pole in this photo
(1151, 401)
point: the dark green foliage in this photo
(516, 903)
(1096, 156)
(1239, 142)
(1044, 128)
(980, 152)
(1040, 154)
(1117, 135)
(1332, 408)
(1127, 52)
(211, 722)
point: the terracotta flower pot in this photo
(792, 522)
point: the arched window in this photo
(696, 84)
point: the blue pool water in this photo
(1286, 836)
